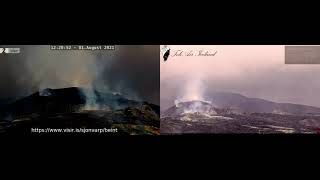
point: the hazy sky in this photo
(253, 71)
(130, 70)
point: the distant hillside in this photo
(242, 103)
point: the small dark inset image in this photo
(302, 54)
(95, 91)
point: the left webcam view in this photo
(103, 89)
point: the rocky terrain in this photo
(203, 117)
(79, 108)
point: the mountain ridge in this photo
(68, 100)
(239, 103)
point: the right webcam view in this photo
(239, 89)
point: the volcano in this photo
(76, 107)
(233, 113)
(190, 107)
(184, 115)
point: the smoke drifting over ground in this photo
(253, 71)
(132, 71)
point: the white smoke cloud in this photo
(193, 89)
(60, 69)
(199, 107)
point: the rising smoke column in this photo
(193, 89)
(61, 69)
(185, 77)
(132, 71)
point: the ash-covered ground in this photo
(79, 108)
(267, 118)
